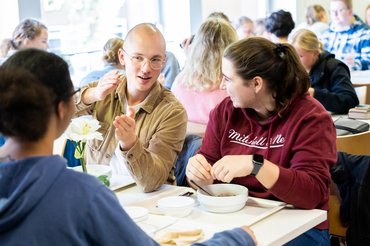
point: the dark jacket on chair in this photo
(352, 176)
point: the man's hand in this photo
(125, 129)
(106, 85)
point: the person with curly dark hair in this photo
(279, 25)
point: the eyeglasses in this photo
(155, 63)
(75, 91)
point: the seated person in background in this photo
(170, 70)
(346, 38)
(41, 199)
(270, 135)
(142, 123)
(316, 19)
(201, 76)
(259, 27)
(186, 43)
(221, 15)
(110, 59)
(200, 79)
(29, 33)
(245, 27)
(330, 78)
(278, 26)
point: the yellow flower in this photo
(81, 130)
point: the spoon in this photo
(202, 188)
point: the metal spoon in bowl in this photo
(202, 188)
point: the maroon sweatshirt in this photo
(302, 142)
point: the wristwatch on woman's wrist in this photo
(257, 162)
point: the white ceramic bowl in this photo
(178, 206)
(228, 198)
(96, 170)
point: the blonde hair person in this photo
(316, 13)
(110, 59)
(330, 78)
(29, 33)
(201, 76)
(111, 48)
(316, 19)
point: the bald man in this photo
(142, 123)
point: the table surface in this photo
(272, 223)
(360, 77)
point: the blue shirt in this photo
(97, 74)
(44, 203)
(355, 42)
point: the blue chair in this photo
(69, 152)
(2, 140)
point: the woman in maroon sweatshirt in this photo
(269, 135)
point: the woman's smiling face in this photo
(241, 93)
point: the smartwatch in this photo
(257, 162)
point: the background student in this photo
(330, 78)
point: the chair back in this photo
(356, 144)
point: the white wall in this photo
(235, 8)
(9, 18)
(256, 8)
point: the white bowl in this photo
(178, 206)
(96, 170)
(228, 198)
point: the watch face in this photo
(258, 158)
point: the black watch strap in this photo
(257, 162)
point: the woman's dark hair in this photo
(277, 64)
(32, 83)
(280, 23)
